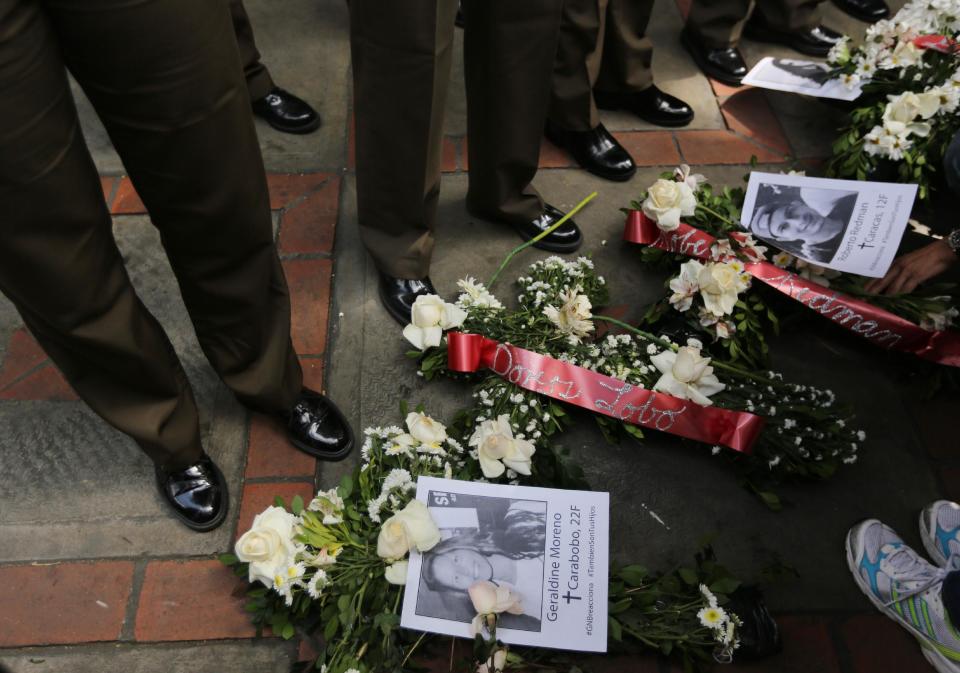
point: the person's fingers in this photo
(903, 278)
(878, 285)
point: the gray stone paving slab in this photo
(695, 494)
(88, 486)
(263, 656)
(306, 47)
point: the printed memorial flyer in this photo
(798, 76)
(551, 546)
(848, 225)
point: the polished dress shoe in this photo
(870, 11)
(724, 64)
(596, 151)
(816, 41)
(316, 426)
(287, 113)
(565, 238)
(398, 294)
(197, 494)
(651, 105)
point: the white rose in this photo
(497, 449)
(268, 546)
(396, 573)
(489, 598)
(687, 375)
(902, 110)
(720, 285)
(666, 201)
(518, 456)
(411, 527)
(424, 429)
(429, 316)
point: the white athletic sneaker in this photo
(940, 530)
(906, 588)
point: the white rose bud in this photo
(424, 429)
(489, 598)
(396, 573)
(411, 527)
(429, 316)
(667, 201)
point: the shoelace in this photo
(914, 569)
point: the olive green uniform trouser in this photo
(165, 79)
(402, 52)
(259, 81)
(719, 23)
(602, 45)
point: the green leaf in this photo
(278, 502)
(228, 559)
(287, 632)
(297, 505)
(633, 575)
(346, 487)
(330, 628)
(689, 576)
(615, 631)
(725, 585)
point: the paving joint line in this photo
(128, 627)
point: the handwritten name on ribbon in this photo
(603, 394)
(872, 323)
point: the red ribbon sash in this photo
(872, 323)
(603, 394)
(941, 43)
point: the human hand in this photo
(914, 268)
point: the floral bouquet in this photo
(718, 298)
(909, 71)
(335, 567)
(806, 432)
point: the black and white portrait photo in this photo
(795, 75)
(484, 538)
(807, 222)
(550, 546)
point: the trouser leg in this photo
(176, 108)
(259, 81)
(402, 51)
(59, 263)
(718, 23)
(627, 51)
(509, 50)
(790, 15)
(576, 65)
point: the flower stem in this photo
(666, 344)
(717, 215)
(413, 648)
(539, 236)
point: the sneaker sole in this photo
(930, 653)
(929, 541)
